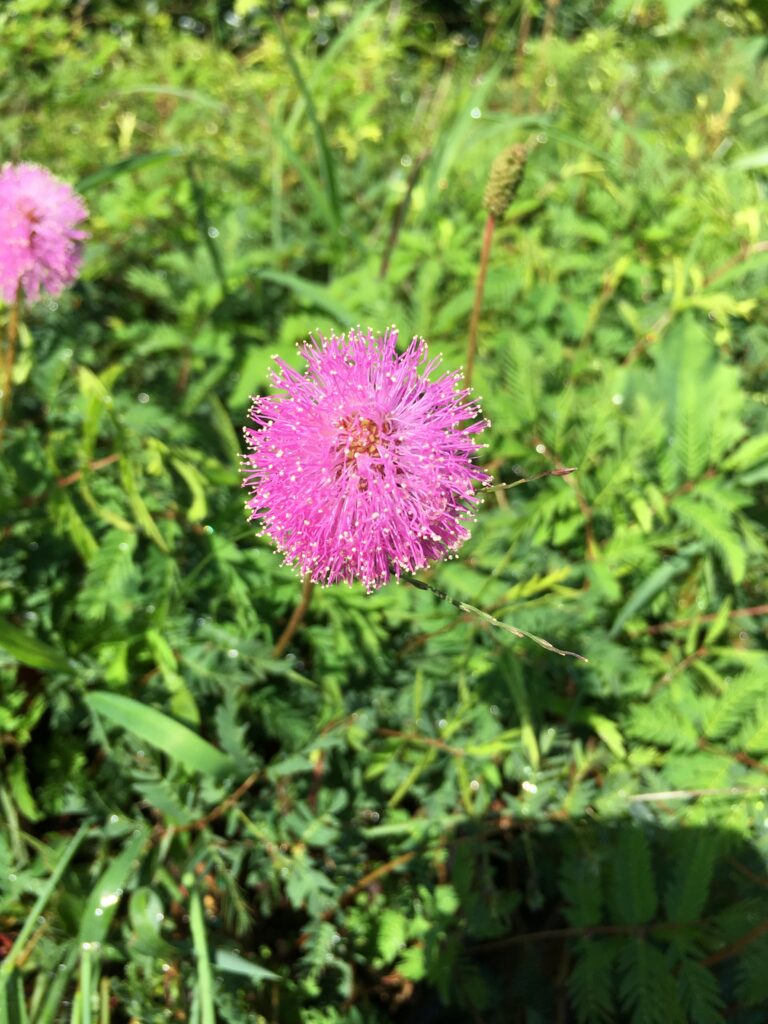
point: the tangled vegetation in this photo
(397, 810)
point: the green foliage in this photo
(411, 814)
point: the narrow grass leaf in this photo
(514, 677)
(327, 167)
(85, 984)
(313, 294)
(131, 163)
(202, 957)
(45, 894)
(652, 585)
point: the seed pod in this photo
(504, 180)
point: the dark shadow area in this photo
(588, 922)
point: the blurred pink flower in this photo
(39, 240)
(363, 467)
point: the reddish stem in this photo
(293, 623)
(479, 289)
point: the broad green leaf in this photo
(157, 729)
(104, 898)
(652, 585)
(609, 733)
(146, 915)
(195, 481)
(31, 651)
(229, 962)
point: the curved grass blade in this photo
(480, 614)
(653, 584)
(324, 65)
(31, 651)
(312, 293)
(8, 964)
(104, 898)
(131, 163)
(51, 1008)
(191, 95)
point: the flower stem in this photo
(293, 623)
(485, 253)
(10, 354)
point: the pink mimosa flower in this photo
(363, 467)
(39, 239)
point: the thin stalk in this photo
(489, 619)
(524, 30)
(401, 211)
(85, 984)
(528, 480)
(474, 322)
(10, 354)
(105, 1014)
(295, 620)
(549, 18)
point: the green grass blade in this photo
(190, 95)
(8, 964)
(131, 163)
(203, 223)
(317, 196)
(85, 984)
(324, 65)
(653, 584)
(157, 729)
(15, 1012)
(55, 994)
(327, 166)
(514, 676)
(105, 1011)
(313, 294)
(104, 898)
(31, 651)
(200, 945)
(453, 139)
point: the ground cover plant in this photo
(226, 796)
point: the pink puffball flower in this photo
(39, 239)
(363, 467)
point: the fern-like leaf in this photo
(632, 888)
(590, 984)
(647, 988)
(700, 993)
(688, 888)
